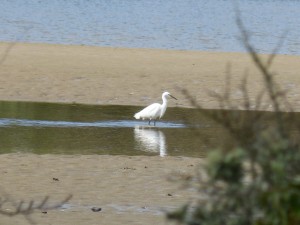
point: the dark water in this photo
(45, 128)
(207, 25)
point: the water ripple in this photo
(168, 24)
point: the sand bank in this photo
(130, 190)
(99, 75)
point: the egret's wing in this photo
(150, 112)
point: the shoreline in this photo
(120, 76)
(138, 48)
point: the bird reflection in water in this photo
(150, 140)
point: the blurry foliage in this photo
(255, 181)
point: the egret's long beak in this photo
(173, 97)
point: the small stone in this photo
(96, 209)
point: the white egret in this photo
(154, 111)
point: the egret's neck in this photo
(165, 101)
(163, 106)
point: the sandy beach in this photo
(99, 75)
(129, 190)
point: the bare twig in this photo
(31, 207)
(6, 52)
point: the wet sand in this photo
(99, 75)
(130, 190)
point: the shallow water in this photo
(50, 128)
(120, 209)
(45, 128)
(168, 24)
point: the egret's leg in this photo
(149, 122)
(154, 122)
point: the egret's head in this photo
(167, 94)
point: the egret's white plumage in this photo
(154, 111)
